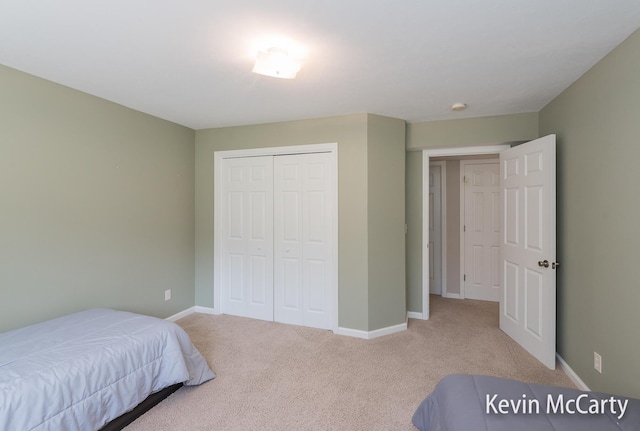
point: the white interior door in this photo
(481, 230)
(528, 247)
(435, 229)
(247, 246)
(303, 216)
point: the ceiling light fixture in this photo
(458, 107)
(276, 62)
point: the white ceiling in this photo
(190, 61)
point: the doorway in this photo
(448, 259)
(527, 243)
(443, 154)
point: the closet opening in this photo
(276, 234)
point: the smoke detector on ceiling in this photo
(458, 106)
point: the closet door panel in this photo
(234, 241)
(302, 258)
(287, 240)
(247, 248)
(289, 287)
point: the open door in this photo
(528, 247)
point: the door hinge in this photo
(464, 278)
(464, 228)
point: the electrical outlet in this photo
(597, 362)
(167, 294)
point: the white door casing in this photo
(303, 260)
(480, 236)
(528, 246)
(247, 244)
(435, 229)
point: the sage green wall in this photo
(472, 131)
(598, 134)
(350, 132)
(465, 132)
(386, 219)
(96, 205)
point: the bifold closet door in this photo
(247, 246)
(303, 261)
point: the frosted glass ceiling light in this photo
(458, 106)
(277, 63)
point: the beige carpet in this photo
(281, 377)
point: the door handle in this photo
(545, 264)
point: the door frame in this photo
(218, 156)
(426, 155)
(463, 164)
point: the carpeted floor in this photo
(273, 376)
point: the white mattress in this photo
(83, 370)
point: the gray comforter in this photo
(80, 371)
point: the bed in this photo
(470, 402)
(83, 371)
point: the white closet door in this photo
(303, 215)
(247, 246)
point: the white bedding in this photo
(83, 370)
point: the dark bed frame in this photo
(122, 421)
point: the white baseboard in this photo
(414, 315)
(191, 310)
(206, 310)
(388, 330)
(572, 374)
(452, 295)
(181, 314)
(369, 335)
(357, 333)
